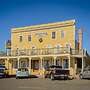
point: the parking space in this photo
(43, 84)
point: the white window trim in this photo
(61, 34)
(67, 43)
(55, 35)
(49, 46)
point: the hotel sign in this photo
(41, 34)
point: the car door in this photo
(85, 74)
(88, 73)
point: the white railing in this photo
(44, 51)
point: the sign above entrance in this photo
(41, 34)
(40, 40)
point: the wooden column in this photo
(54, 60)
(18, 62)
(29, 62)
(69, 62)
(82, 61)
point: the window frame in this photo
(15, 64)
(29, 38)
(53, 35)
(65, 63)
(20, 38)
(62, 34)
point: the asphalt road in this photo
(43, 84)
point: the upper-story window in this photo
(49, 46)
(68, 45)
(53, 35)
(62, 34)
(20, 38)
(29, 37)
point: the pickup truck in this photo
(56, 72)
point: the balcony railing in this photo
(44, 51)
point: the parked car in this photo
(22, 73)
(55, 71)
(3, 71)
(86, 73)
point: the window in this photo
(49, 50)
(29, 37)
(58, 47)
(68, 45)
(34, 50)
(62, 34)
(35, 64)
(46, 64)
(20, 38)
(53, 35)
(59, 62)
(49, 46)
(15, 64)
(65, 63)
(24, 64)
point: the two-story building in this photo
(39, 46)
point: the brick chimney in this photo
(80, 38)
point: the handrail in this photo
(45, 51)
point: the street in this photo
(43, 84)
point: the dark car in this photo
(54, 72)
(3, 71)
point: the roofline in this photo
(44, 26)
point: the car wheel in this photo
(45, 76)
(52, 77)
(16, 77)
(65, 78)
(5, 76)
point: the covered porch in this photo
(37, 65)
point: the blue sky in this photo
(18, 13)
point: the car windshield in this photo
(1, 66)
(22, 69)
(1, 70)
(53, 66)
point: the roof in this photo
(42, 26)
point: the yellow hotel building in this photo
(39, 46)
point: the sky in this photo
(19, 13)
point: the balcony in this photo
(46, 51)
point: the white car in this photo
(22, 73)
(86, 73)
